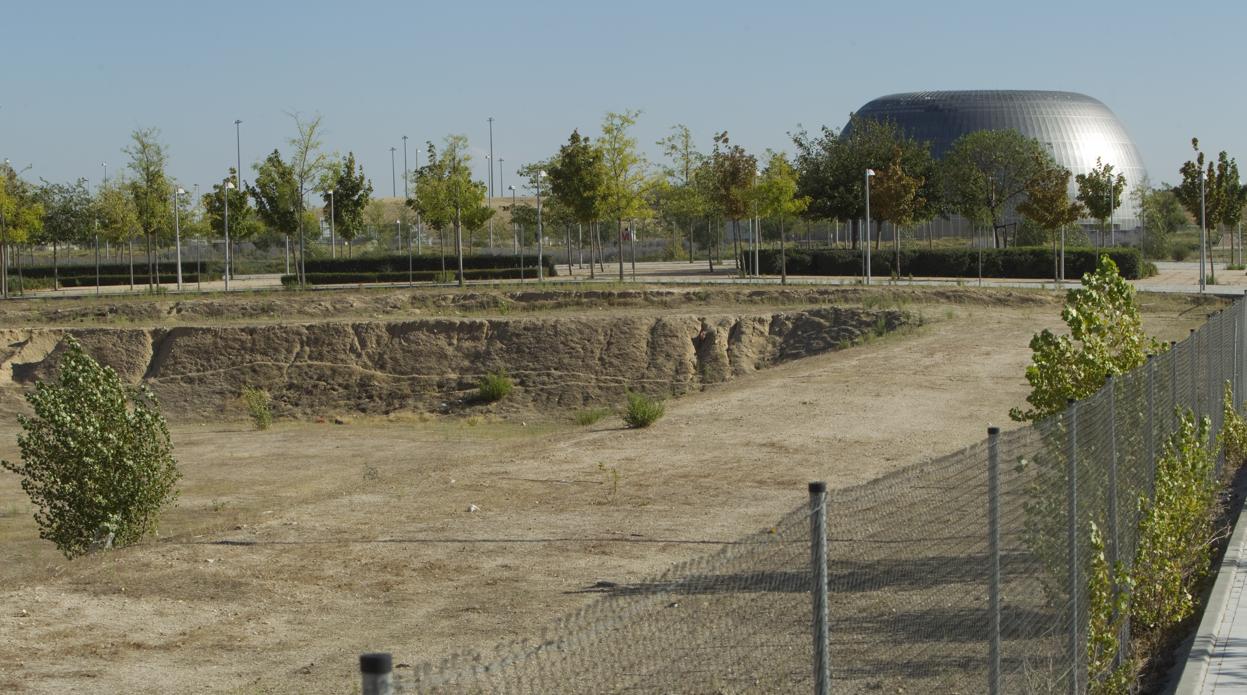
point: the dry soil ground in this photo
(358, 537)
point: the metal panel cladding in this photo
(1074, 127)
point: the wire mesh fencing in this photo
(965, 574)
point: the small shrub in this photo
(494, 387)
(97, 460)
(258, 403)
(589, 416)
(643, 411)
(610, 478)
(1233, 437)
(1179, 252)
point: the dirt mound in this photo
(436, 363)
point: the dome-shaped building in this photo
(1076, 128)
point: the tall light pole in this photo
(393, 185)
(540, 175)
(405, 194)
(515, 234)
(866, 231)
(238, 153)
(500, 188)
(1203, 233)
(177, 231)
(105, 165)
(757, 231)
(333, 240)
(229, 186)
(489, 161)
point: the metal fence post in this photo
(1194, 339)
(1151, 421)
(818, 589)
(1072, 545)
(1114, 537)
(993, 549)
(377, 673)
(1173, 383)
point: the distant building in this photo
(1075, 128)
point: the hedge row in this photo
(529, 273)
(397, 263)
(88, 270)
(139, 280)
(1016, 262)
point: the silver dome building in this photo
(1076, 128)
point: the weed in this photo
(258, 402)
(880, 328)
(494, 387)
(371, 473)
(218, 505)
(610, 476)
(642, 410)
(589, 416)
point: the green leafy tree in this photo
(307, 167)
(446, 196)
(985, 174)
(68, 216)
(578, 182)
(276, 196)
(1105, 339)
(831, 169)
(96, 458)
(1163, 216)
(21, 220)
(734, 172)
(1100, 192)
(1202, 193)
(119, 218)
(679, 198)
(243, 222)
(896, 197)
(150, 190)
(777, 199)
(625, 173)
(351, 193)
(1048, 205)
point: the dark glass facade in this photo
(1076, 128)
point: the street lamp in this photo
(103, 164)
(866, 231)
(229, 186)
(238, 154)
(333, 240)
(177, 231)
(489, 193)
(515, 234)
(1203, 232)
(540, 175)
(393, 185)
(757, 229)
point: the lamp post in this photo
(105, 165)
(229, 186)
(515, 234)
(866, 231)
(333, 239)
(757, 230)
(177, 232)
(238, 153)
(500, 160)
(540, 175)
(1203, 233)
(393, 184)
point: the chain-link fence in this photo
(951, 576)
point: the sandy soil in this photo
(293, 550)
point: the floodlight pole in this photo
(1203, 234)
(229, 185)
(540, 175)
(866, 231)
(333, 239)
(177, 233)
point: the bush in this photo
(1014, 262)
(97, 460)
(349, 278)
(642, 410)
(258, 402)
(584, 418)
(397, 263)
(494, 387)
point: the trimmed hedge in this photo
(530, 273)
(397, 263)
(1034, 262)
(112, 269)
(139, 280)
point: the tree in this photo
(1231, 195)
(346, 196)
(1105, 339)
(96, 458)
(1100, 192)
(1048, 205)
(680, 200)
(21, 219)
(578, 182)
(625, 173)
(307, 166)
(1206, 192)
(896, 197)
(68, 215)
(276, 196)
(150, 190)
(777, 198)
(733, 171)
(831, 168)
(118, 216)
(1162, 216)
(446, 195)
(986, 173)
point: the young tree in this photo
(68, 216)
(1048, 205)
(777, 198)
(118, 217)
(242, 222)
(276, 196)
(896, 197)
(21, 219)
(1203, 191)
(1162, 217)
(679, 200)
(447, 196)
(625, 173)
(578, 181)
(97, 460)
(986, 172)
(734, 172)
(307, 166)
(1100, 192)
(150, 190)
(351, 191)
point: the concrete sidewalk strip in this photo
(1217, 662)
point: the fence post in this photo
(1194, 374)
(818, 590)
(1151, 420)
(1114, 536)
(1072, 546)
(377, 673)
(993, 549)
(1173, 384)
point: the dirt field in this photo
(292, 550)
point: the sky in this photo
(76, 77)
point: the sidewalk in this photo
(1217, 664)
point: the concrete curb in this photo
(1213, 628)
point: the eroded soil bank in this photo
(436, 363)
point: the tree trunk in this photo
(459, 244)
(56, 269)
(130, 244)
(783, 258)
(710, 244)
(621, 261)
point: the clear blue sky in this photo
(77, 77)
